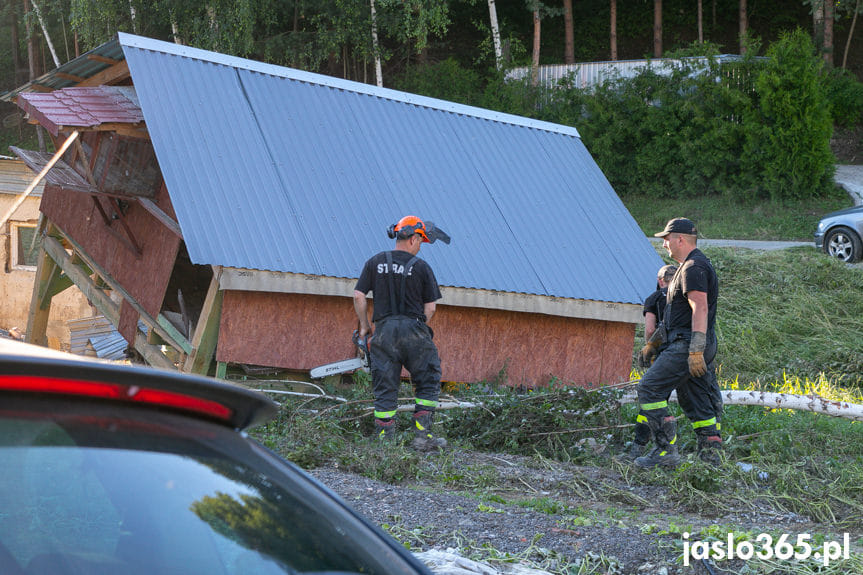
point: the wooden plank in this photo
(103, 59)
(112, 75)
(207, 332)
(151, 353)
(106, 306)
(175, 340)
(70, 77)
(37, 318)
(82, 280)
(160, 215)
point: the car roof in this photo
(30, 368)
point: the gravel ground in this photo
(429, 518)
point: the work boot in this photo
(638, 447)
(385, 430)
(710, 449)
(635, 451)
(665, 453)
(424, 440)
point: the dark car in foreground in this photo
(840, 234)
(112, 469)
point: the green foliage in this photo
(845, 94)
(788, 133)
(671, 131)
(446, 80)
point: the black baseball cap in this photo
(678, 226)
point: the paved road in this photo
(851, 178)
(748, 244)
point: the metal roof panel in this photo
(275, 169)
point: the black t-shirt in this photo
(420, 284)
(695, 274)
(655, 304)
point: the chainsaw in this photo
(346, 365)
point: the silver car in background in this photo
(839, 234)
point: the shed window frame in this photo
(15, 246)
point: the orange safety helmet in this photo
(408, 226)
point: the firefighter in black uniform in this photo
(653, 311)
(688, 350)
(405, 291)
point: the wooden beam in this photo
(101, 301)
(73, 137)
(112, 75)
(70, 77)
(37, 318)
(82, 280)
(151, 353)
(175, 339)
(160, 215)
(207, 332)
(103, 59)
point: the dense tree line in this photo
(335, 36)
(460, 50)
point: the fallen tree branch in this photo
(775, 400)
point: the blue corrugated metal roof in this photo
(276, 169)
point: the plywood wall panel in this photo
(144, 276)
(296, 331)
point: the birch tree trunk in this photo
(45, 32)
(495, 34)
(657, 28)
(569, 34)
(613, 34)
(850, 34)
(132, 15)
(379, 79)
(744, 26)
(773, 400)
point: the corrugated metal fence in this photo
(585, 75)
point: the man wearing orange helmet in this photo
(405, 292)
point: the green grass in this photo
(788, 320)
(788, 311)
(721, 217)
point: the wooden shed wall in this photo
(146, 276)
(298, 332)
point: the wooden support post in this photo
(221, 369)
(100, 300)
(162, 326)
(37, 318)
(207, 332)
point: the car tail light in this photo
(114, 391)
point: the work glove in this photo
(648, 353)
(697, 365)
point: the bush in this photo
(845, 94)
(788, 134)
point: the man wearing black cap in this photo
(690, 347)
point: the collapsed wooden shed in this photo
(229, 205)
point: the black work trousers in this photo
(699, 397)
(401, 341)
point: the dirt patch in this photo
(592, 514)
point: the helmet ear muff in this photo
(391, 232)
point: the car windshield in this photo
(90, 494)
